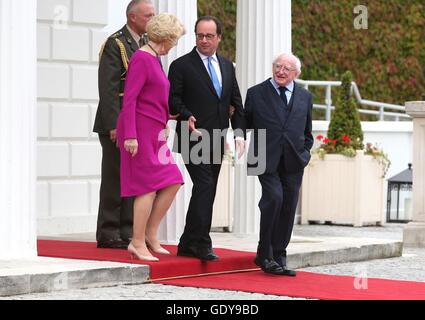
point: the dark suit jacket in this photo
(192, 94)
(112, 74)
(288, 136)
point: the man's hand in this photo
(192, 127)
(231, 111)
(131, 146)
(113, 135)
(240, 148)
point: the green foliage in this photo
(387, 59)
(379, 156)
(345, 120)
(225, 11)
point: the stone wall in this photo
(69, 35)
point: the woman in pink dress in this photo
(148, 171)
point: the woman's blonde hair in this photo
(165, 28)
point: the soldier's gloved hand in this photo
(113, 135)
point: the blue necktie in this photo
(214, 77)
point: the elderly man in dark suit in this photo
(203, 89)
(115, 215)
(279, 112)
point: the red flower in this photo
(326, 140)
(319, 137)
(346, 138)
(334, 142)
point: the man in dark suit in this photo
(279, 112)
(203, 89)
(115, 215)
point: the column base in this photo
(414, 235)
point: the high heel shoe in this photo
(160, 250)
(134, 253)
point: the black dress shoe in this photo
(113, 244)
(204, 254)
(281, 261)
(272, 267)
(207, 254)
(288, 272)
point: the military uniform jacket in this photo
(113, 64)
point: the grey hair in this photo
(290, 56)
(133, 4)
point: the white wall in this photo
(117, 17)
(69, 35)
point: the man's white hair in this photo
(290, 56)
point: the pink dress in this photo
(144, 116)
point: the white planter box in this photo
(343, 190)
(223, 204)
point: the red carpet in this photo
(308, 285)
(168, 266)
(305, 284)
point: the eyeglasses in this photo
(208, 36)
(279, 67)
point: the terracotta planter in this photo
(343, 190)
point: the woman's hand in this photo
(131, 146)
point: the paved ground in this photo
(408, 267)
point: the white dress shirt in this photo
(135, 36)
(289, 89)
(215, 64)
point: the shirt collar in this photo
(135, 36)
(289, 87)
(204, 57)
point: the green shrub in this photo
(345, 127)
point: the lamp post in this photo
(399, 198)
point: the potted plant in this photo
(344, 182)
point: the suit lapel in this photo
(225, 75)
(202, 71)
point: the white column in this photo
(414, 232)
(17, 129)
(263, 31)
(173, 224)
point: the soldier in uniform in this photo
(115, 215)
